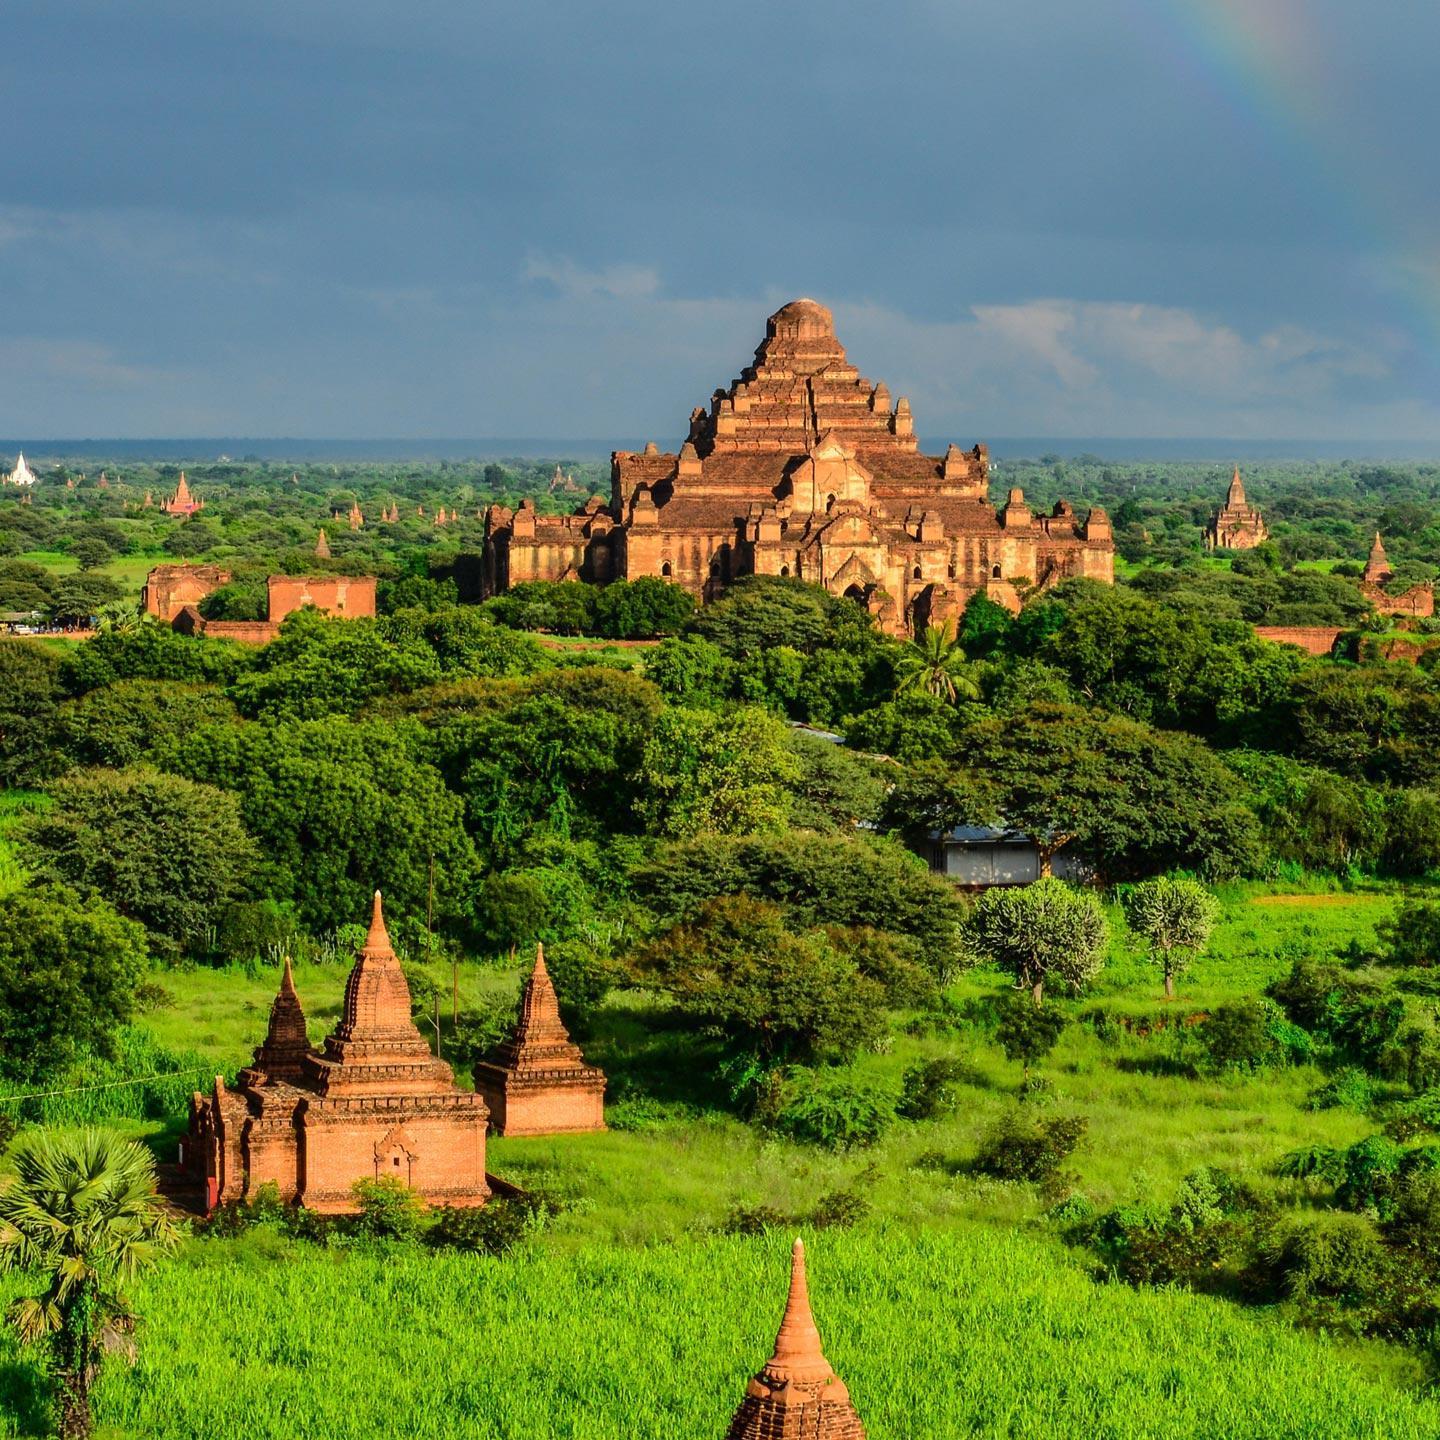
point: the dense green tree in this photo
(77, 599)
(1174, 916)
(1028, 1032)
(29, 703)
(466, 642)
(91, 553)
(161, 849)
(691, 671)
(642, 609)
(833, 788)
(1045, 933)
(820, 879)
(738, 970)
(1130, 799)
(68, 971)
(914, 726)
(80, 1211)
(340, 809)
(119, 724)
(704, 773)
(239, 600)
(318, 666)
(151, 652)
(562, 607)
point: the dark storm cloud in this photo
(468, 218)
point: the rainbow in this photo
(1282, 77)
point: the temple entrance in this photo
(855, 593)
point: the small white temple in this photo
(22, 474)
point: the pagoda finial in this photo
(540, 958)
(377, 942)
(798, 1355)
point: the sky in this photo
(446, 218)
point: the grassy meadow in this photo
(938, 1334)
(953, 1307)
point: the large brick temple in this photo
(805, 468)
(373, 1101)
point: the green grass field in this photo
(954, 1308)
(947, 1333)
(128, 571)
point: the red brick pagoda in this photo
(182, 502)
(537, 1081)
(797, 1396)
(374, 1101)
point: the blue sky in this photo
(350, 218)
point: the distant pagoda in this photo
(182, 502)
(797, 1396)
(537, 1082)
(22, 474)
(1418, 602)
(1236, 525)
(322, 546)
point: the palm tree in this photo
(81, 1211)
(934, 662)
(119, 617)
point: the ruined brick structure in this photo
(374, 1101)
(804, 468)
(537, 1081)
(182, 502)
(1314, 639)
(1236, 525)
(172, 594)
(170, 588)
(1418, 602)
(797, 1396)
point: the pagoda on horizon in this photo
(182, 502)
(1236, 525)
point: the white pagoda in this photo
(22, 474)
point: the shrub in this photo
(1335, 1256)
(1243, 1036)
(840, 1209)
(754, 1220)
(1347, 1089)
(833, 1108)
(1313, 1162)
(1022, 1146)
(929, 1088)
(1026, 1032)
(491, 1229)
(389, 1209)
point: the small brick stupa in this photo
(373, 1102)
(797, 1396)
(322, 546)
(537, 1081)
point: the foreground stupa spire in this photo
(797, 1396)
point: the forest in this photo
(1188, 1113)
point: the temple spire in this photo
(1377, 567)
(798, 1355)
(377, 997)
(322, 546)
(286, 1043)
(1235, 496)
(797, 1393)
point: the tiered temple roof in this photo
(797, 1396)
(374, 1102)
(1237, 525)
(805, 468)
(322, 546)
(536, 1081)
(182, 502)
